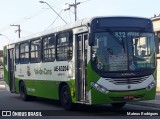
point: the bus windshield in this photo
(121, 51)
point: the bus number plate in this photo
(129, 97)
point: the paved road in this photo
(10, 101)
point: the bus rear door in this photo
(11, 70)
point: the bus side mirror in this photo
(91, 39)
(157, 44)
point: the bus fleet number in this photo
(61, 68)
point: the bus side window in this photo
(64, 46)
(24, 52)
(48, 51)
(17, 53)
(35, 51)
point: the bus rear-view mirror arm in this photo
(91, 39)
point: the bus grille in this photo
(124, 81)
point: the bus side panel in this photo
(47, 89)
(31, 87)
(50, 89)
(6, 76)
(5, 65)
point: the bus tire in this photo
(118, 105)
(23, 92)
(65, 98)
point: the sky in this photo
(34, 17)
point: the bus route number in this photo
(61, 68)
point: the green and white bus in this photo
(99, 60)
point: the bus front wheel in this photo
(23, 92)
(65, 98)
(118, 105)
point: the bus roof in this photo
(78, 23)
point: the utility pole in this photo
(75, 8)
(19, 30)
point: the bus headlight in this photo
(151, 85)
(99, 87)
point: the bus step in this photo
(83, 102)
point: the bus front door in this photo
(11, 70)
(81, 67)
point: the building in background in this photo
(1, 64)
(156, 26)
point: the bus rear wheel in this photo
(23, 92)
(118, 105)
(65, 98)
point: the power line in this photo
(26, 32)
(70, 15)
(32, 15)
(54, 20)
(61, 2)
(85, 1)
(53, 10)
(29, 17)
(57, 5)
(26, 18)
